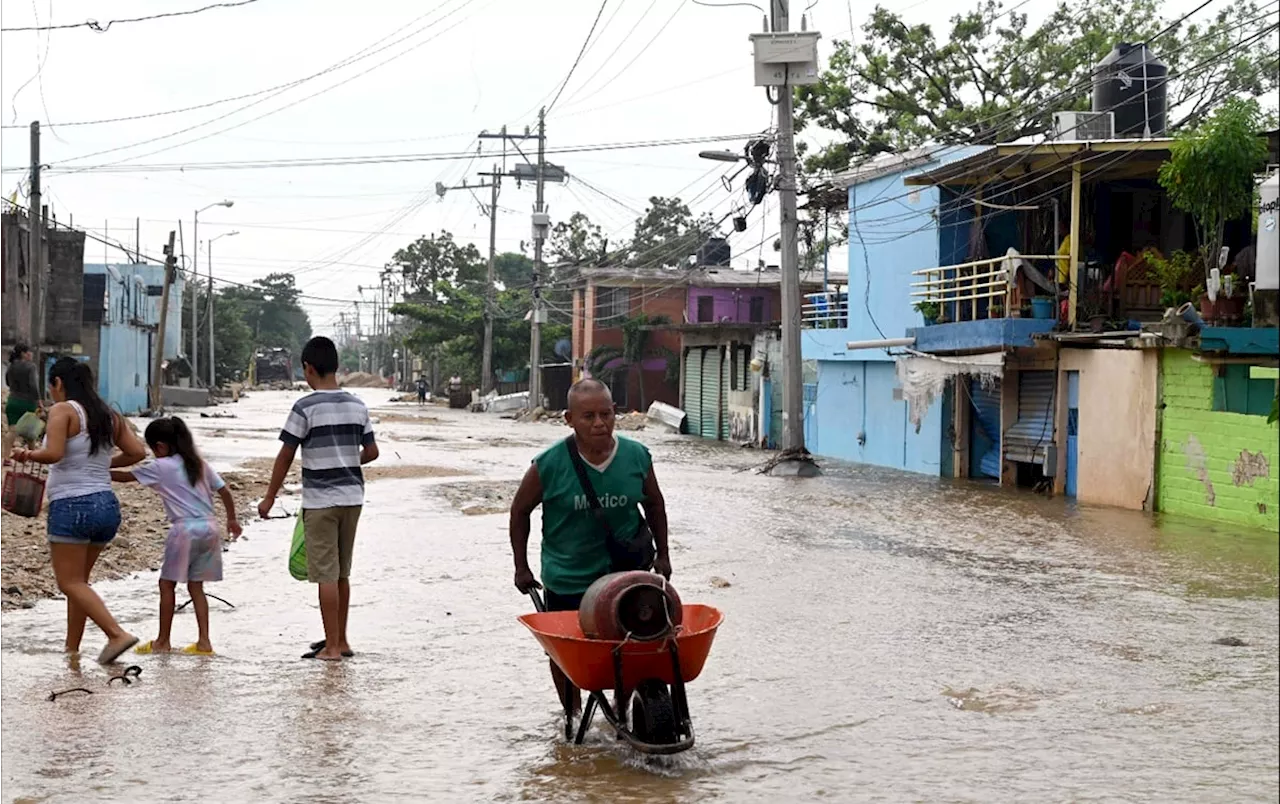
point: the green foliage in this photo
(667, 234)
(431, 261)
(989, 76)
(1176, 275)
(576, 241)
(266, 314)
(1210, 170)
(513, 270)
(928, 310)
(637, 347)
(1274, 415)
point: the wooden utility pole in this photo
(157, 379)
(35, 250)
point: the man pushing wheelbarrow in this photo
(592, 487)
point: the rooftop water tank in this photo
(1267, 254)
(1132, 83)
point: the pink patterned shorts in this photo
(193, 552)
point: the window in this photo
(1236, 391)
(756, 312)
(706, 309)
(612, 303)
(95, 298)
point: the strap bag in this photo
(298, 552)
(625, 554)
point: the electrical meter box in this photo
(786, 59)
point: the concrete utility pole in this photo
(783, 60)
(195, 284)
(213, 375)
(541, 223)
(157, 378)
(542, 172)
(35, 252)
(494, 183)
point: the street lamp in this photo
(213, 377)
(195, 275)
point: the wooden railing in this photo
(964, 292)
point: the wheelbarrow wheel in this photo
(653, 716)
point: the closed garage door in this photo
(693, 390)
(711, 375)
(1029, 439)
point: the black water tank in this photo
(714, 252)
(1132, 83)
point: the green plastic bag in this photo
(298, 552)
(29, 428)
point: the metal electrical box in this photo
(786, 59)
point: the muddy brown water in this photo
(888, 638)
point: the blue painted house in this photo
(857, 412)
(120, 326)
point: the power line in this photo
(99, 27)
(578, 60)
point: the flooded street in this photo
(887, 638)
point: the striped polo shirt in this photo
(331, 427)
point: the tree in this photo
(991, 77)
(265, 314)
(608, 363)
(435, 259)
(233, 340)
(667, 234)
(576, 241)
(1210, 170)
(513, 270)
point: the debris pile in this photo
(362, 379)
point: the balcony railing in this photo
(825, 311)
(968, 291)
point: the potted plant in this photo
(1173, 274)
(929, 311)
(995, 309)
(1210, 176)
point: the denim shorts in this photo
(91, 519)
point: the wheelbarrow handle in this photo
(538, 603)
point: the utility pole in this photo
(783, 60)
(541, 223)
(490, 302)
(157, 379)
(35, 251)
(541, 172)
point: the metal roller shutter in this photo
(1029, 439)
(986, 419)
(726, 367)
(711, 363)
(693, 391)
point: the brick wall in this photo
(1214, 465)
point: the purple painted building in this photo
(733, 305)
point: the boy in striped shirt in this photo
(336, 436)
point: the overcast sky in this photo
(425, 82)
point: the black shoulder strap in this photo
(580, 468)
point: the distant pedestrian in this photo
(23, 380)
(335, 433)
(422, 390)
(193, 548)
(84, 513)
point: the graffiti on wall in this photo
(1198, 462)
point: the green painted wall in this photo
(1214, 464)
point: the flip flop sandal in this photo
(110, 653)
(193, 650)
(316, 647)
(144, 648)
(314, 654)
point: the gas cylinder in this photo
(638, 604)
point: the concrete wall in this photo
(857, 398)
(734, 304)
(1117, 424)
(1212, 464)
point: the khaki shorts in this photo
(330, 535)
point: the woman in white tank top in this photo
(84, 514)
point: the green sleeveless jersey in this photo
(574, 549)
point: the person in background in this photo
(422, 390)
(1244, 265)
(23, 380)
(335, 433)
(193, 548)
(84, 513)
(574, 551)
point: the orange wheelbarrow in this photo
(648, 678)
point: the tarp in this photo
(923, 377)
